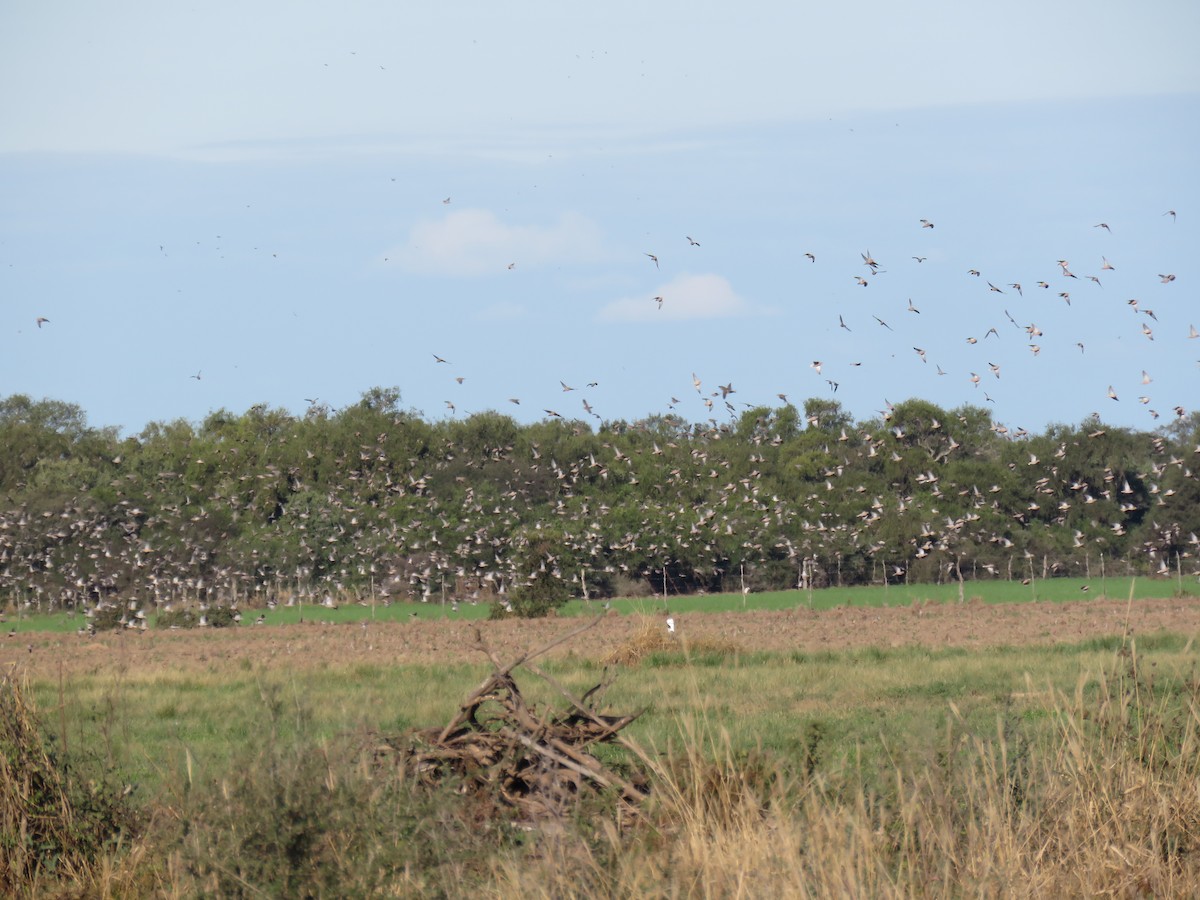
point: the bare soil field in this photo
(41, 655)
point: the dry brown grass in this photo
(652, 637)
(1109, 806)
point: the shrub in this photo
(177, 618)
(53, 825)
(187, 617)
(542, 596)
(107, 617)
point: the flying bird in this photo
(912, 308)
(883, 323)
(842, 323)
(811, 258)
(1016, 286)
(1171, 213)
(691, 241)
(438, 358)
(925, 223)
(992, 287)
(1103, 225)
(42, 320)
(1166, 279)
(920, 259)
(655, 258)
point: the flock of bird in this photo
(420, 513)
(701, 496)
(990, 337)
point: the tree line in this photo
(377, 500)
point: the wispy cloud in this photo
(477, 242)
(705, 296)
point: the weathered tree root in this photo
(536, 762)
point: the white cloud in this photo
(685, 297)
(476, 242)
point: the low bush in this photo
(57, 826)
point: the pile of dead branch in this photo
(538, 763)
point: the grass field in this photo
(1056, 769)
(1056, 590)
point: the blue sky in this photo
(254, 193)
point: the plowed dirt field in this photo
(43, 655)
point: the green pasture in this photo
(820, 711)
(1057, 590)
